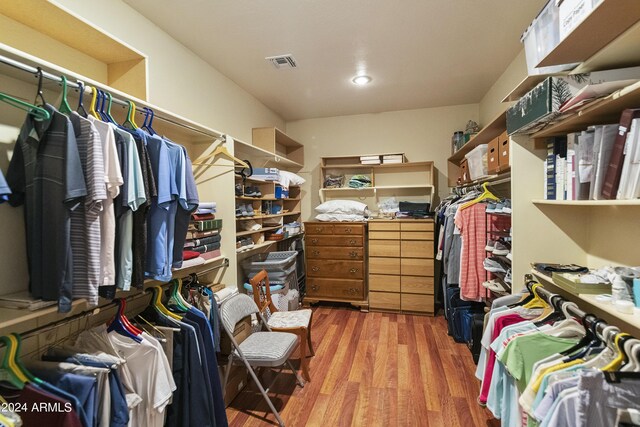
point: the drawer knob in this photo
(352, 242)
(353, 291)
(353, 270)
(353, 254)
(318, 229)
(314, 240)
(347, 230)
(315, 269)
(315, 253)
(315, 287)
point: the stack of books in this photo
(370, 160)
(600, 163)
(203, 237)
(392, 158)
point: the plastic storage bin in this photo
(279, 265)
(542, 36)
(477, 162)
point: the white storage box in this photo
(477, 162)
(571, 13)
(542, 36)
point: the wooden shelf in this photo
(21, 320)
(599, 29)
(268, 158)
(269, 199)
(627, 322)
(603, 111)
(486, 134)
(276, 141)
(380, 166)
(245, 218)
(262, 230)
(400, 187)
(266, 243)
(262, 181)
(489, 179)
(634, 202)
(348, 189)
(524, 86)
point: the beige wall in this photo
(491, 104)
(179, 80)
(423, 134)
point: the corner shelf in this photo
(262, 157)
(604, 24)
(486, 134)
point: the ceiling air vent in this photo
(282, 61)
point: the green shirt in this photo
(523, 352)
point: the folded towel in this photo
(190, 255)
(207, 205)
(202, 217)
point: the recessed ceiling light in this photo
(361, 80)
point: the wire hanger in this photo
(38, 112)
(39, 93)
(220, 150)
(65, 108)
(81, 110)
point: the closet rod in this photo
(546, 295)
(33, 70)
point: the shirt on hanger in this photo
(472, 223)
(85, 220)
(5, 191)
(45, 170)
(113, 180)
(183, 214)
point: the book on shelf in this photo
(572, 178)
(605, 137)
(370, 162)
(556, 168)
(584, 157)
(630, 177)
(392, 158)
(550, 172)
(614, 170)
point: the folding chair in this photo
(296, 322)
(260, 349)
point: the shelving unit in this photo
(491, 131)
(411, 181)
(606, 310)
(587, 203)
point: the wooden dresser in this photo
(335, 256)
(401, 265)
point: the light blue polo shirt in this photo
(4, 189)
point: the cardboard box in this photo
(503, 152)
(492, 157)
(238, 379)
(540, 106)
(464, 171)
(241, 332)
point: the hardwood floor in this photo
(373, 369)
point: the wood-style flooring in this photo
(373, 369)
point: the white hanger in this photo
(608, 353)
(632, 348)
(566, 329)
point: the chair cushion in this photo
(268, 348)
(290, 319)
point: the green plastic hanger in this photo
(130, 121)
(65, 108)
(176, 285)
(18, 362)
(39, 113)
(8, 371)
(108, 112)
(157, 303)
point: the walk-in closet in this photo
(297, 213)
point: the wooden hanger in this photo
(220, 150)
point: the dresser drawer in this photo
(416, 285)
(379, 265)
(338, 269)
(357, 229)
(417, 266)
(417, 235)
(384, 235)
(352, 241)
(417, 248)
(332, 252)
(384, 226)
(384, 300)
(384, 248)
(416, 226)
(384, 283)
(335, 288)
(418, 303)
(317, 228)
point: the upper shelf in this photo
(274, 140)
(267, 158)
(606, 110)
(524, 86)
(486, 134)
(633, 202)
(405, 165)
(598, 32)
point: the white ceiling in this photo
(420, 53)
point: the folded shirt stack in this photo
(203, 236)
(360, 181)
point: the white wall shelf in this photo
(586, 203)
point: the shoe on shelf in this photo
(250, 211)
(498, 208)
(501, 248)
(257, 192)
(243, 210)
(239, 210)
(493, 266)
(490, 246)
(508, 277)
(497, 287)
(506, 208)
(239, 192)
(491, 208)
(251, 225)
